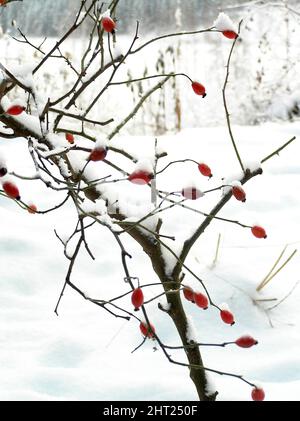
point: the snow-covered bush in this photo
(124, 190)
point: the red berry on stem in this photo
(201, 300)
(246, 341)
(137, 298)
(199, 89)
(205, 170)
(140, 177)
(258, 394)
(188, 294)
(239, 193)
(227, 317)
(146, 330)
(97, 154)
(258, 232)
(230, 34)
(15, 110)
(70, 138)
(11, 190)
(191, 193)
(108, 25)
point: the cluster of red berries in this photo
(99, 153)
(12, 191)
(245, 341)
(195, 297)
(142, 177)
(137, 299)
(192, 193)
(240, 195)
(202, 301)
(197, 87)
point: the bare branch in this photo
(225, 101)
(137, 107)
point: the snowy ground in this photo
(85, 354)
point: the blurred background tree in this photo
(270, 35)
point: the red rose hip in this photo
(15, 110)
(246, 341)
(239, 193)
(201, 300)
(108, 25)
(147, 331)
(258, 232)
(11, 190)
(98, 154)
(199, 89)
(70, 138)
(188, 294)
(137, 298)
(140, 177)
(230, 34)
(227, 317)
(205, 170)
(258, 394)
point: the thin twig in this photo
(225, 102)
(137, 107)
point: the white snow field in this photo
(85, 354)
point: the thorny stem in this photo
(116, 67)
(127, 82)
(225, 102)
(175, 34)
(137, 107)
(278, 150)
